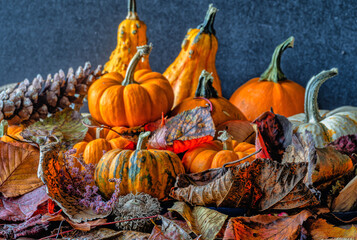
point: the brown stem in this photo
(143, 138)
(239, 160)
(141, 51)
(274, 72)
(101, 127)
(205, 87)
(97, 132)
(226, 139)
(132, 15)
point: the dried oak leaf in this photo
(347, 199)
(261, 184)
(184, 131)
(274, 134)
(18, 169)
(266, 227)
(51, 166)
(106, 234)
(65, 126)
(172, 229)
(202, 221)
(321, 229)
(23, 207)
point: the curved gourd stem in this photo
(312, 89)
(205, 87)
(141, 51)
(274, 72)
(132, 15)
(207, 25)
(143, 138)
(226, 139)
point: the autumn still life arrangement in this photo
(165, 156)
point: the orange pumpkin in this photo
(222, 109)
(198, 52)
(13, 130)
(215, 154)
(149, 171)
(131, 34)
(131, 101)
(271, 90)
(97, 141)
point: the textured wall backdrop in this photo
(40, 36)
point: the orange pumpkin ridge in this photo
(198, 52)
(131, 34)
(271, 90)
(221, 109)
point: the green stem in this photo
(226, 139)
(274, 72)
(205, 87)
(143, 138)
(3, 128)
(207, 25)
(141, 51)
(132, 15)
(312, 90)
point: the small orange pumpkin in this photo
(222, 109)
(215, 154)
(131, 34)
(271, 90)
(149, 171)
(98, 140)
(132, 101)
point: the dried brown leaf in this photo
(347, 199)
(321, 229)
(171, 229)
(266, 227)
(23, 207)
(202, 221)
(18, 169)
(261, 184)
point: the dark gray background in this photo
(43, 36)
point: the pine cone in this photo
(31, 101)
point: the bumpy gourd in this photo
(149, 171)
(206, 94)
(330, 125)
(132, 101)
(271, 91)
(198, 52)
(131, 34)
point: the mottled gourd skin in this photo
(132, 101)
(270, 91)
(198, 52)
(149, 171)
(222, 109)
(325, 126)
(131, 34)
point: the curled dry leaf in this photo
(274, 134)
(184, 131)
(171, 229)
(65, 126)
(18, 169)
(347, 199)
(266, 227)
(262, 184)
(203, 221)
(23, 207)
(240, 130)
(321, 229)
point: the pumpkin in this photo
(13, 130)
(98, 140)
(198, 52)
(131, 101)
(271, 91)
(215, 154)
(221, 109)
(325, 126)
(149, 171)
(131, 34)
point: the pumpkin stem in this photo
(273, 72)
(98, 130)
(205, 88)
(312, 90)
(141, 51)
(226, 139)
(132, 15)
(3, 128)
(143, 138)
(207, 25)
